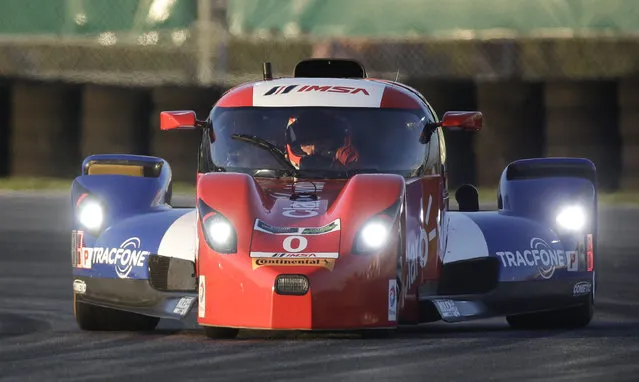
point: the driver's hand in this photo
(347, 154)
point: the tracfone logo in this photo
(124, 258)
(540, 255)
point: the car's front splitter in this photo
(137, 296)
(509, 298)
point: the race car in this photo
(322, 204)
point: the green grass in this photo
(486, 195)
(57, 184)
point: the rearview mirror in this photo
(181, 119)
(453, 120)
(462, 120)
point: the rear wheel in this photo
(220, 333)
(570, 318)
(97, 318)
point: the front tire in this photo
(569, 318)
(220, 333)
(97, 318)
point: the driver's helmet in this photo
(314, 133)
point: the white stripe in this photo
(465, 239)
(179, 239)
(322, 92)
(315, 255)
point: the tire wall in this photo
(47, 128)
(581, 120)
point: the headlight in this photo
(572, 218)
(218, 230)
(373, 236)
(90, 213)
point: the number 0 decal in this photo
(301, 244)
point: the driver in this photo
(319, 136)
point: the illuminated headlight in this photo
(572, 218)
(91, 214)
(373, 236)
(218, 230)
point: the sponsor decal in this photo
(582, 288)
(128, 256)
(285, 89)
(183, 305)
(301, 189)
(392, 300)
(296, 245)
(267, 228)
(201, 295)
(283, 255)
(264, 227)
(417, 249)
(278, 262)
(573, 261)
(79, 287)
(447, 308)
(79, 259)
(540, 256)
(303, 209)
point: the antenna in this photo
(397, 75)
(267, 71)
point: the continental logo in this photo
(278, 262)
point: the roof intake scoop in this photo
(329, 68)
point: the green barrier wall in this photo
(77, 17)
(386, 18)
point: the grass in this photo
(486, 195)
(57, 184)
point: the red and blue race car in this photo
(322, 204)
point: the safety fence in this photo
(202, 42)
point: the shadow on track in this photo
(14, 325)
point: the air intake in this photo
(329, 68)
(295, 285)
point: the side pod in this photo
(540, 188)
(124, 183)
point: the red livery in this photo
(319, 201)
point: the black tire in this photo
(97, 318)
(220, 333)
(570, 318)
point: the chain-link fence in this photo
(200, 42)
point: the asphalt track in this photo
(40, 341)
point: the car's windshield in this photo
(327, 142)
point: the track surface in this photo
(40, 341)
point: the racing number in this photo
(300, 244)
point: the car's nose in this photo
(346, 293)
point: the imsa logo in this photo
(315, 88)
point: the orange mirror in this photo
(182, 119)
(463, 120)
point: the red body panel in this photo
(350, 291)
(422, 263)
(347, 292)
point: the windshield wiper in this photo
(275, 152)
